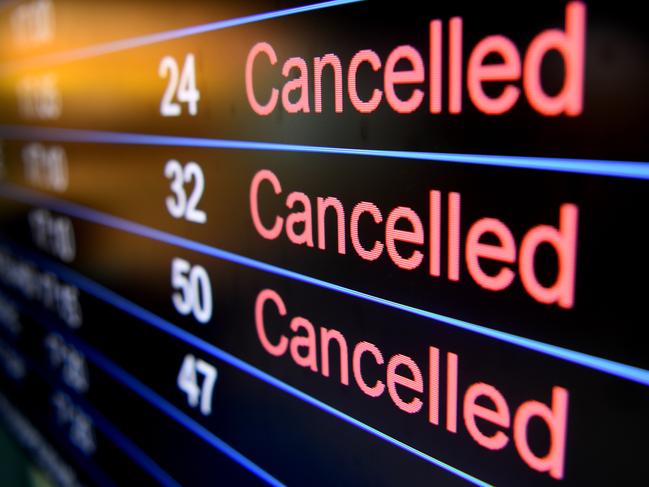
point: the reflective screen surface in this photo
(337, 243)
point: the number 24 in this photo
(183, 88)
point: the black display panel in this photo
(338, 243)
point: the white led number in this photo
(181, 88)
(70, 362)
(80, 428)
(32, 23)
(54, 234)
(169, 68)
(45, 166)
(39, 97)
(193, 290)
(180, 205)
(188, 383)
(177, 204)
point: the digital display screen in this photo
(335, 243)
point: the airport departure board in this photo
(335, 243)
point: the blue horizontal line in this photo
(145, 40)
(170, 410)
(113, 370)
(113, 433)
(611, 367)
(611, 168)
(132, 450)
(123, 304)
(218, 353)
(59, 445)
(87, 464)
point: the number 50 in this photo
(193, 290)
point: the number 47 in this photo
(188, 383)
